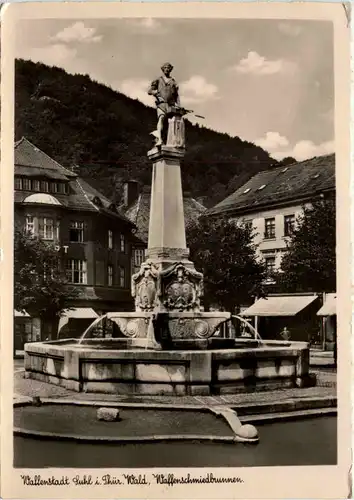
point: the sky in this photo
(270, 82)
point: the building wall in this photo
(93, 250)
(275, 246)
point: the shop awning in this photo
(329, 306)
(279, 306)
(20, 314)
(80, 313)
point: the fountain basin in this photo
(117, 366)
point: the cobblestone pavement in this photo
(326, 387)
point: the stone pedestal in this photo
(167, 280)
(167, 285)
(166, 227)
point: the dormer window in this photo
(247, 190)
(62, 187)
(54, 187)
(26, 184)
(45, 186)
(97, 201)
(261, 187)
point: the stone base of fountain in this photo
(117, 366)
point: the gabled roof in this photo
(139, 212)
(279, 185)
(32, 161)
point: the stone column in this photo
(166, 227)
(167, 280)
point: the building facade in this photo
(271, 203)
(92, 235)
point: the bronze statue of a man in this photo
(165, 91)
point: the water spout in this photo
(252, 328)
(91, 327)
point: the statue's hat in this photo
(167, 64)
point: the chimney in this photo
(131, 192)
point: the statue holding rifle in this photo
(170, 124)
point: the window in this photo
(18, 183)
(76, 231)
(122, 243)
(54, 187)
(76, 271)
(261, 187)
(110, 238)
(122, 277)
(57, 229)
(29, 224)
(110, 275)
(270, 265)
(26, 184)
(247, 190)
(139, 256)
(46, 228)
(269, 228)
(62, 188)
(45, 186)
(36, 185)
(289, 224)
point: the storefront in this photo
(294, 315)
(75, 321)
(328, 314)
(26, 329)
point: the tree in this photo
(286, 161)
(310, 261)
(224, 252)
(40, 285)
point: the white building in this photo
(273, 199)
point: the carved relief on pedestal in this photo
(144, 289)
(132, 327)
(180, 288)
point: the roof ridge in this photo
(138, 202)
(98, 193)
(198, 203)
(19, 141)
(85, 194)
(70, 173)
(278, 167)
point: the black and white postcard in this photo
(175, 250)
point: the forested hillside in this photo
(105, 136)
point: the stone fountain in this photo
(168, 344)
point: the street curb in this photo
(289, 405)
(287, 416)
(18, 431)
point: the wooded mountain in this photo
(105, 136)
